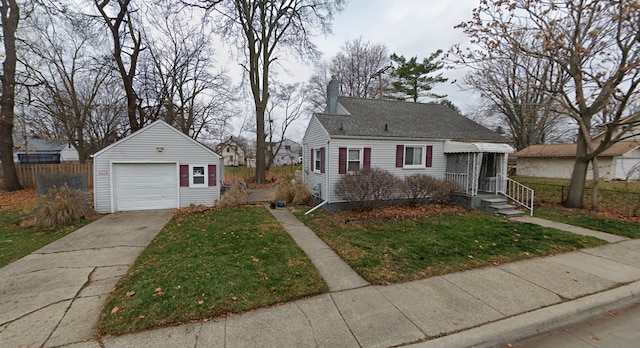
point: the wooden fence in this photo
(28, 173)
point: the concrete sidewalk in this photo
(53, 297)
(485, 307)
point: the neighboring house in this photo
(33, 150)
(400, 137)
(157, 167)
(288, 154)
(619, 162)
(232, 152)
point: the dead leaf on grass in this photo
(200, 302)
(130, 293)
(234, 298)
(115, 310)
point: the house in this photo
(34, 150)
(403, 138)
(288, 152)
(619, 162)
(157, 167)
(232, 152)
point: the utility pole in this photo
(379, 75)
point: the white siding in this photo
(314, 138)
(560, 168)
(143, 147)
(383, 156)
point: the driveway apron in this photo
(53, 296)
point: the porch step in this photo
(500, 206)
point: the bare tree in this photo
(356, 65)
(127, 45)
(68, 76)
(286, 105)
(265, 30)
(515, 87)
(10, 13)
(179, 84)
(594, 46)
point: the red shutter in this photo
(212, 175)
(399, 156)
(322, 157)
(313, 163)
(367, 158)
(184, 175)
(342, 160)
(429, 155)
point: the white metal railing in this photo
(459, 181)
(517, 192)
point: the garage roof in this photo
(569, 150)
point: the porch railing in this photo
(517, 192)
(459, 182)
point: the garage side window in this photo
(198, 175)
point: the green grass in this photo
(584, 219)
(410, 249)
(207, 265)
(17, 242)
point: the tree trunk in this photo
(10, 18)
(575, 196)
(261, 149)
(596, 184)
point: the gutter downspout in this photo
(314, 208)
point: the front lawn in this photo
(207, 264)
(18, 239)
(582, 218)
(398, 250)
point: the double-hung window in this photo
(414, 156)
(198, 177)
(354, 160)
(317, 159)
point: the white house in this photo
(157, 167)
(288, 152)
(403, 138)
(619, 162)
(232, 152)
(36, 150)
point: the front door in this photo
(488, 170)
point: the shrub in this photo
(234, 197)
(419, 187)
(61, 206)
(293, 193)
(366, 188)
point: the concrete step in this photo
(498, 207)
(495, 200)
(510, 213)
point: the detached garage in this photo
(156, 167)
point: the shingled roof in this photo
(569, 150)
(398, 119)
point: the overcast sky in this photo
(406, 27)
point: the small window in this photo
(198, 176)
(287, 147)
(228, 150)
(414, 156)
(317, 160)
(354, 160)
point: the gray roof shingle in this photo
(368, 118)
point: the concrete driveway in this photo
(53, 296)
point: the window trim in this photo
(423, 157)
(317, 160)
(205, 174)
(360, 159)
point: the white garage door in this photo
(143, 186)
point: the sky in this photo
(405, 27)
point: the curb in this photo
(526, 325)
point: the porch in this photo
(481, 168)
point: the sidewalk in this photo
(482, 307)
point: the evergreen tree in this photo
(413, 80)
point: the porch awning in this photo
(460, 147)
